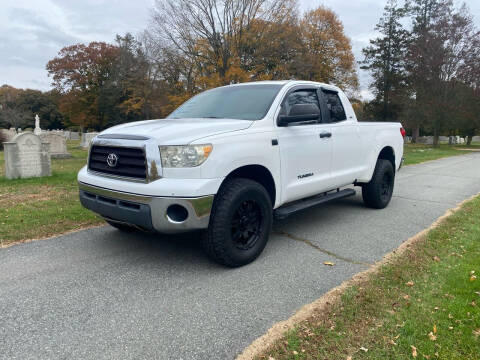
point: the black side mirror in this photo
(300, 113)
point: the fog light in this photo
(177, 213)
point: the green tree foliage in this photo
(433, 84)
(385, 59)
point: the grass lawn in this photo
(417, 153)
(39, 207)
(423, 304)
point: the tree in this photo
(209, 33)
(79, 73)
(385, 59)
(11, 113)
(326, 54)
(442, 39)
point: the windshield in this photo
(245, 102)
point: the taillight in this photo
(403, 132)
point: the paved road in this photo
(101, 294)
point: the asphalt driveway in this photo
(102, 294)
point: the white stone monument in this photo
(26, 156)
(87, 139)
(58, 144)
(37, 130)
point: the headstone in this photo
(74, 135)
(428, 140)
(452, 140)
(443, 139)
(66, 134)
(462, 140)
(37, 130)
(476, 139)
(19, 130)
(26, 156)
(87, 139)
(58, 145)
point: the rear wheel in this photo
(378, 192)
(240, 223)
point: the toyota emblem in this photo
(112, 160)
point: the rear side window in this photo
(304, 96)
(334, 106)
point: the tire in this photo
(240, 223)
(378, 192)
(122, 227)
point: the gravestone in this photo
(476, 139)
(428, 140)
(87, 139)
(74, 135)
(58, 144)
(26, 156)
(66, 134)
(443, 139)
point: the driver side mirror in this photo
(300, 113)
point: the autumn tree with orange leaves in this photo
(80, 73)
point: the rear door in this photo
(347, 161)
(305, 149)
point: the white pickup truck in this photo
(231, 159)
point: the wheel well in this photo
(259, 174)
(387, 153)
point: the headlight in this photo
(184, 155)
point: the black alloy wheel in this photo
(246, 225)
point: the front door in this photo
(305, 150)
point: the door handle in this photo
(325, 135)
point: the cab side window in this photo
(334, 106)
(304, 96)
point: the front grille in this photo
(130, 161)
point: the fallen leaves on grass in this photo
(414, 351)
(431, 336)
(410, 283)
(364, 349)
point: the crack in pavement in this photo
(327, 252)
(423, 200)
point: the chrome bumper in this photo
(146, 212)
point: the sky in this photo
(33, 31)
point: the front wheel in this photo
(378, 192)
(240, 223)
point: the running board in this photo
(286, 210)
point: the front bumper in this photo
(149, 213)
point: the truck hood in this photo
(179, 131)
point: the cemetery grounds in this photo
(42, 207)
